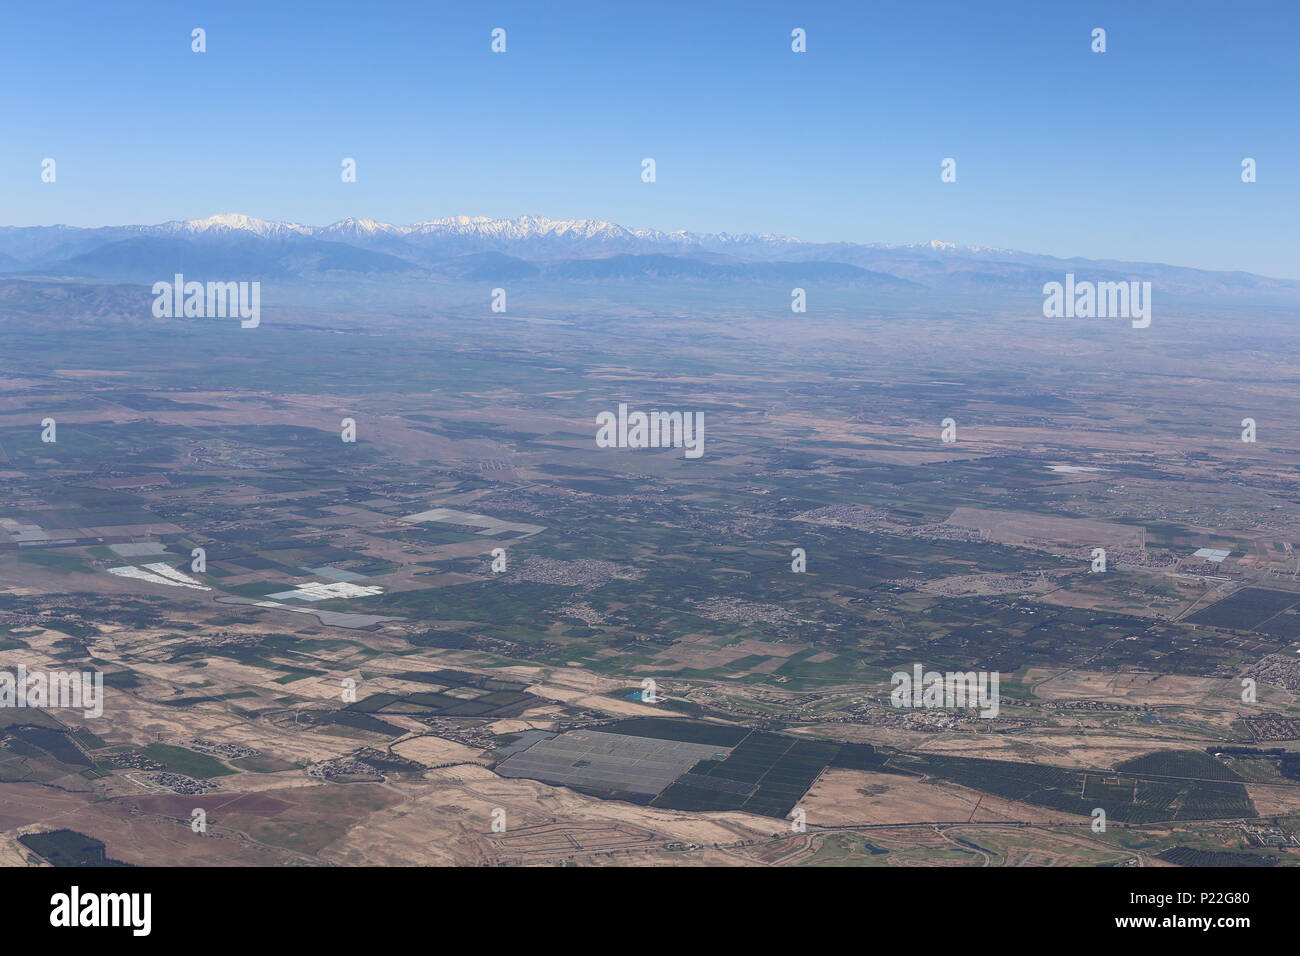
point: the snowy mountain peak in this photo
(522, 227)
(360, 227)
(236, 222)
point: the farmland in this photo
(353, 657)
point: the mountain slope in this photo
(465, 248)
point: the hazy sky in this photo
(1135, 153)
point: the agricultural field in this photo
(332, 646)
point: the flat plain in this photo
(348, 681)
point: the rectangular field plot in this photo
(1246, 610)
(1132, 793)
(601, 761)
(687, 764)
(765, 774)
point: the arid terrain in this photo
(430, 644)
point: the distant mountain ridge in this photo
(521, 229)
(484, 249)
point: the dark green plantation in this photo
(68, 848)
(1127, 796)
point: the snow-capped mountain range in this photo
(478, 248)
(503, 234)
(522, 229)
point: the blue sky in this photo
(1135, 153)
